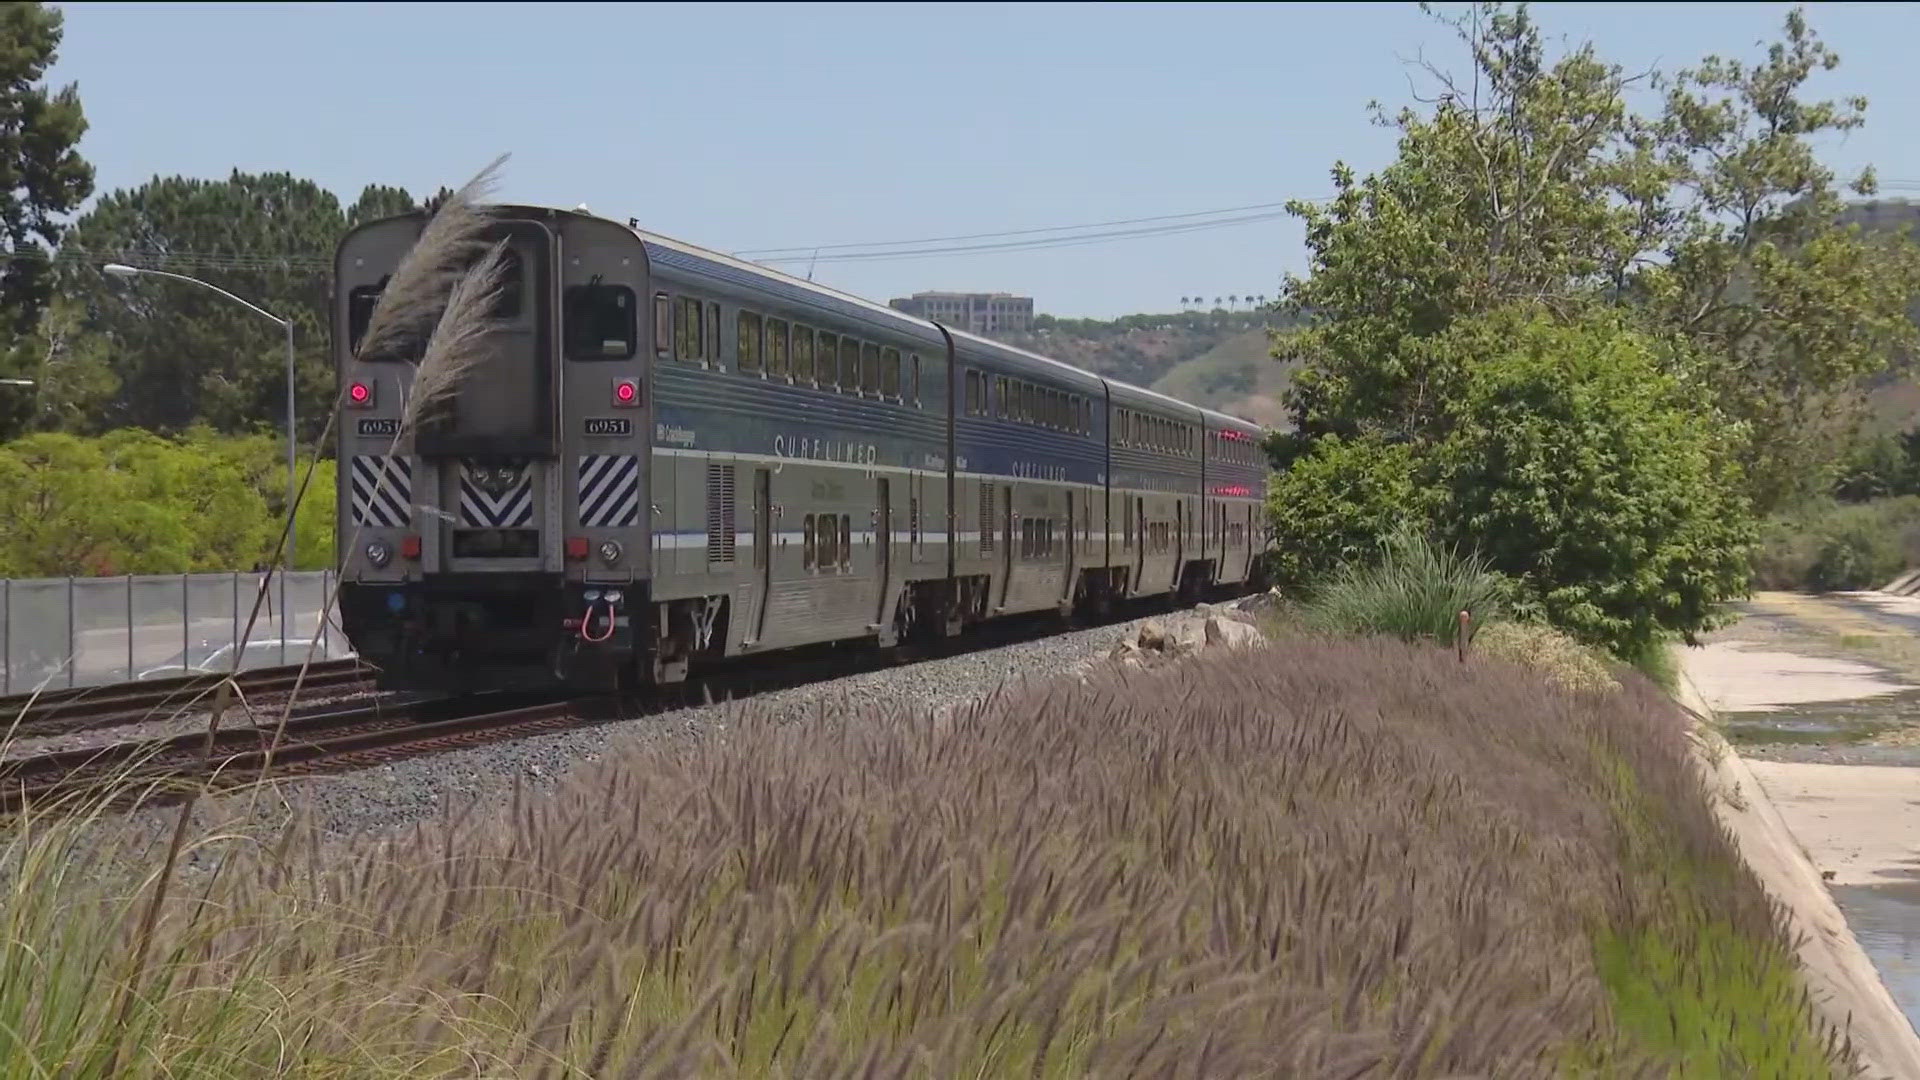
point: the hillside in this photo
(1218, 359)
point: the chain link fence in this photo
(62, 632)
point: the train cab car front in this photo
(496, 472)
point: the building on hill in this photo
(1881, 213)
(976, 313)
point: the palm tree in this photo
(1183, 302)
(1233, 301)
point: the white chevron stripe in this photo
(512, 509)
(382, 489)
(609, 490)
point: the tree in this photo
(184, 355)
(42, 176)
(1577, 464)
(1788, 311)
(1335, 503)
(1533, 183)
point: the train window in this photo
(870, 369)
(747, 332)
(976, 390)
(777, 348)
(713, 332)
(913, 394)
(806, 543)
(1000, 397)
(824, 365)
(601, 323)
(1086, 416)
(360, 304)
(662, 324)
(846, 541)
(890, 374)
(507, 303)
(802, 354)
(849, 366)
(686, 326)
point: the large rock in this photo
(1153, 635)
(1232, 633)
(1190, 635)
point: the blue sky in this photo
(756, 127)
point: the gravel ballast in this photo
(391, 796)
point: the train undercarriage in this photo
(471, 633)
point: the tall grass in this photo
(1414, 590)
(1353, 859)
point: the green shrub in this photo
(1414, 590)
(1333, 505)
(1823, 546)
(1556, 655)
(1600, 482)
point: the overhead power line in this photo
(1034, 244)
(809, 248)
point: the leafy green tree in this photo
(261, 461)
(1534, 183)
(1577, 463)
(183, 355)
(76, 388)
(1333, 505)
(42, 176)
(68, 513)
(134, 502)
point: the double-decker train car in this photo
(669, 456)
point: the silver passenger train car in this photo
(671, 457)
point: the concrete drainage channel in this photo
(1817, 776)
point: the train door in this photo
(1180, 521)
(883, 537)
(1007, 525)
(1222, 518)
(1139, 550)
(1250, 545)
(762, 546)
(1066, 541)
(491, 438)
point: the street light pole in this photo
(121, 270)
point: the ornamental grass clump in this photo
(1318, 858)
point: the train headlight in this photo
(378, 553)
(610, 551)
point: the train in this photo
(672, 458)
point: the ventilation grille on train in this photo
(986, 519)
(719, 513)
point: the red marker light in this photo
(360, 394)
(626, 393)
(576, 547)
(410, 547)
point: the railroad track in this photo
(59, 712)
(157, 769)
(328, 738)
